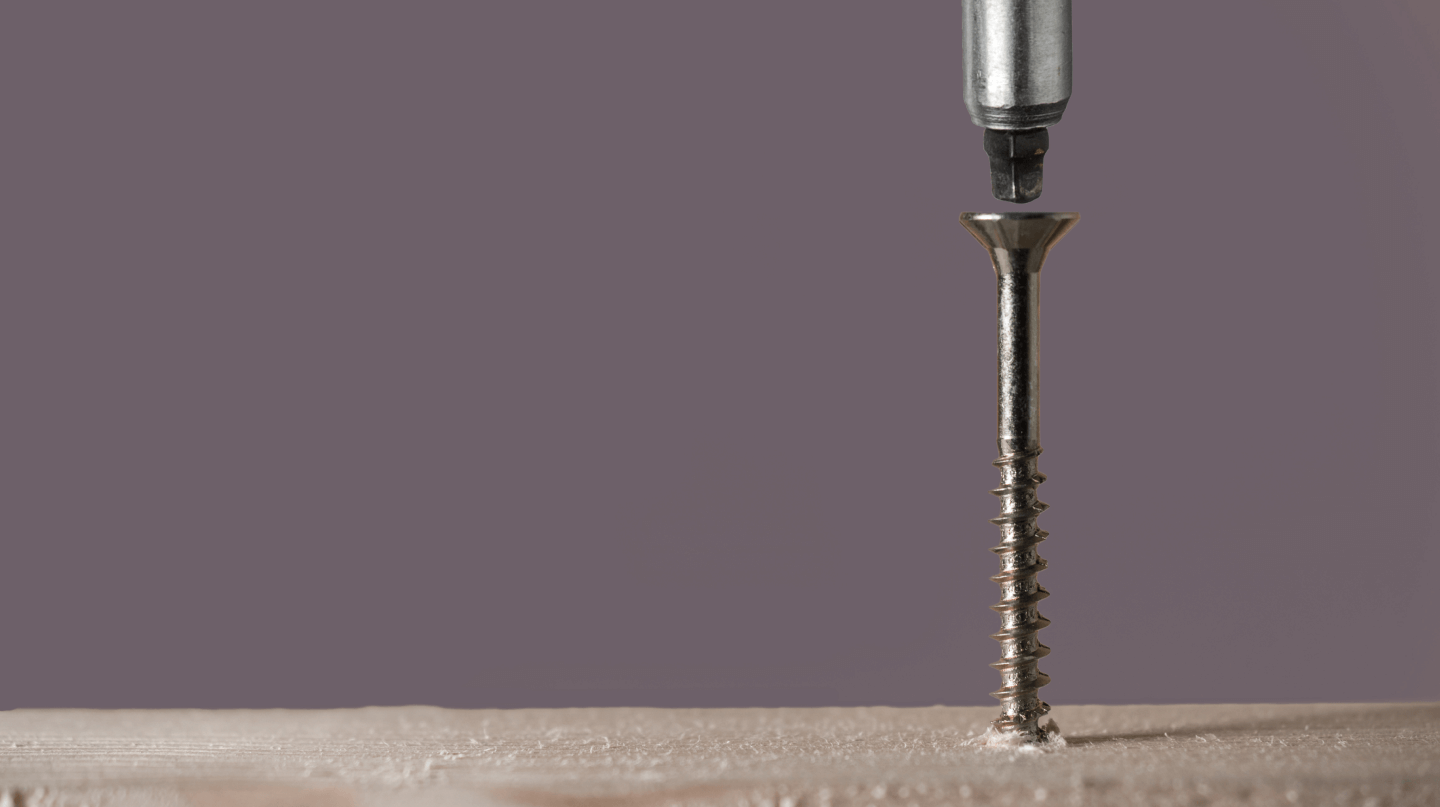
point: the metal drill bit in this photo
(1018, 68)
(1017, 163)
(1018, 244)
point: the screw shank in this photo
(1018, 438)
(1018, 359)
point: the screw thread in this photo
(1021, 593)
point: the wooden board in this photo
(1367, 755)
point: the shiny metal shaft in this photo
(1018, 244)
(1017, 62)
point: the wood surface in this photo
(1365, 755)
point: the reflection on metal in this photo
(1018, 244)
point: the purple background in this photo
(550, 354)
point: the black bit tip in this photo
(1017, 162)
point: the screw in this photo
(1018, 244)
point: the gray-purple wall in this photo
(630, 353)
